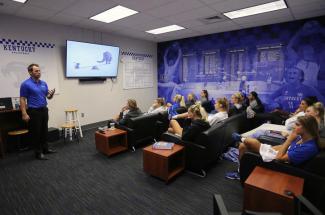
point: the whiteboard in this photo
(137, 70)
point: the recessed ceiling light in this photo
(263, 8)
(165, 29)
(21, 1)
(113, 14)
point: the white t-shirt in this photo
(215, 118)
(157, 110)
(289, 123)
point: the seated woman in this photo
(255, 105)
(178, 103)
(196, 124)
(304, 104)
(237, 107)
(301, 145)
(317, 110)
(158, 106)
(131, 110)
(221, 106)
(205, 102)
(191, 100)
(278, 116)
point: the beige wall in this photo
(99, 100)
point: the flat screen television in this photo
(88, 60)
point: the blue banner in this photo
(283, 63)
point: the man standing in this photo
(33, 93)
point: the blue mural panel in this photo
(282, 62)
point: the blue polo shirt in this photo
(299, 153)
(34, 92)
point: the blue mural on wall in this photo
(282, 62)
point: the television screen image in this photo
(91, 60)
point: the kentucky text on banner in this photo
(16, 55)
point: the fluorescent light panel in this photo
(165, 29)
(263, 8)
(113, 14)
(20, 1)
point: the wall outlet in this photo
(82, 114)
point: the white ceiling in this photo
(159, 13)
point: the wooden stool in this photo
(71, 117)
(69, 129)
(18, 134)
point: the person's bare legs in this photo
(250, 144)
(277, 148)
(175, 127)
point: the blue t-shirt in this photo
(34, 92)
(299, 153)
(172, 110)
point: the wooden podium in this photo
(265, 191)
(111, 141)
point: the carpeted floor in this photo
(79, 180)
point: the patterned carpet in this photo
(79, 180)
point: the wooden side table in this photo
(265, 191)
(111, 141)
(164, 164)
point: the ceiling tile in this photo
(157, 23)
(33, 12)
(49, 4)
(87, 9)
(293, 3)
(230, 5)
(197, 13)
(309, 14)
(89, 24)
(265, 22)
(135, 20)
(216, 26)
(64, 19)
(175, 7)
(191, 23)
(9, 7)
(141, 5)
(211, 1)
(299, 9)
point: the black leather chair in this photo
(219, 207)
(210, 144)
(141, 129)
(312, 171)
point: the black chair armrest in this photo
(169, 137)
(193, 145)
(125, 128)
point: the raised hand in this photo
(50, 93)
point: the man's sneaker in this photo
(233, 175)
(236, 137)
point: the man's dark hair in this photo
(30, 67)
